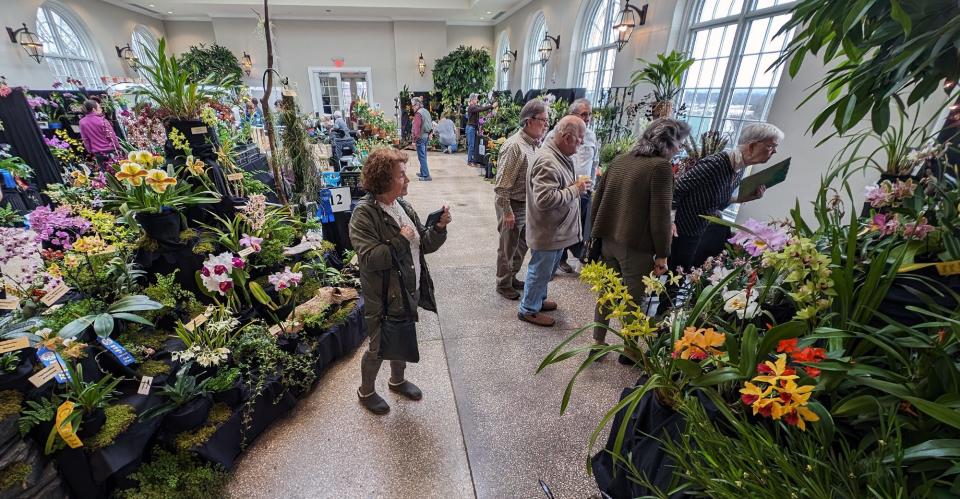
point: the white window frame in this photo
(503, 77)
(602, 50)
(741, 21)
(140, 46)
(52, 55)
(535, 71)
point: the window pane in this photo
(716, 9)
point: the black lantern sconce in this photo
(246, 62)
(126, 53)
(547, 46)
(28, 40)
(421, 65)
(628, 19)
(507, 60)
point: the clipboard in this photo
(768, 177)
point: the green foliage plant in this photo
(10, 401)
(9, 362)
(15, 473)
(223, 380)
(118, 420)
(34, 413)
(175, 89)
(103, 322)
(176, 475)
(464, 71)
(9, 217)
(665, 75)
(306, 175)
(183, 390)
(876, 50)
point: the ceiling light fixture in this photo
(421, 65)
(246, 62)
(28, 40)
(628, 19)
(507, 59)
(126, 53)
(547, 46)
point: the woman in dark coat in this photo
(386, 231)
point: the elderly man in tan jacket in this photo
(553, 215)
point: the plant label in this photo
(9, 304)
(145, 383)
(198, 130)
(117, 350)
(481, 149)
(44, 125)
(75, 128)
(245, 252)
(58, 292)
(949, 268)
(15, 344)
(196, 321)
(340, 199)
(52, 309)
(50, 358)
(234, 177)
(45, 374)
(275, 330)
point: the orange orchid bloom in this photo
(158, 180)
(131, 172)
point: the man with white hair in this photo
(708, 189)
(339, 123)
(553, 215)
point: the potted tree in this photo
(665, 76)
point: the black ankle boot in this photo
(374, 403)
(407, 389)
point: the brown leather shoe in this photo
(548, 306)
(510, 294)
(537, 319)
(518, 284)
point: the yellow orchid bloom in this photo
(750, 393)
(712, 338)
(675, 279)
(158, 180)
(131, 172)
(652, 285)
(79, 178)
(777, 368)
(802, 416)
(794, 393)
(195, 166)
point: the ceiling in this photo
(469, 12)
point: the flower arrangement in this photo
(58, 227)
(143, 187)
(225, 276)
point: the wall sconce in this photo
(246, 62)
(421, 65)
(630, 17)
(28, 40)
(506, 60)
(546, 47)
(126, 53)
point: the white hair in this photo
(338, 114)
(416, 100)
(759, 132)
(577, 104)
(569, 125)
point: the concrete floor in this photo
(487, 426)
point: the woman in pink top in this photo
(97, 133)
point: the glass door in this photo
(328, 99)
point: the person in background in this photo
(422, 126)
(447, 135)
(340, 124)
(585, 164)
(252, 113)
(473, 121)
(97, 134)
(631, 212)
(708, 188)
(390, 241)
(553, 215)
(510, 192)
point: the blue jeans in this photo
(471, 142)
(452, 148)
(543, 264)
(422, 156)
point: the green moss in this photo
(146, 337)
(10, 401)
(224, 379)
(119, 418)
(188, 235)
(13, 474)
(148, 244)
(187, 440)
(154, 368)
(271, 252)
(340, 316)
(176, 475)
(307, 289)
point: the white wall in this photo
(107, 26)
(181, 35)
(561, 17)
(410, 39)
(470, 36)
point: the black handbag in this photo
(398, 337)
(592, 250)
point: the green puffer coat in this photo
(373, 232)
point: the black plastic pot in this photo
(18, 380)
(188, 416)
(232, 396)
(162, 227)
(288, 343)
(92, 423)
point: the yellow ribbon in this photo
(66, 430)
(943, 268)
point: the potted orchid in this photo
(155, 195)
(224, 277)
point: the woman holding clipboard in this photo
(708, 189)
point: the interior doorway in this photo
(335, 88)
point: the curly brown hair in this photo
(377, 174)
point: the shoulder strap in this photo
(386, 284)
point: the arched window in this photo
(503, 77)
(66, 46)
(598, 46)
(734, 44)
(142, 41)
(535, 69)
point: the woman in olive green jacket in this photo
(385, 229)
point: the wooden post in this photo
(265, 103)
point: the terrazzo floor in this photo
(488, 426)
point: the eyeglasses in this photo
(542, 120)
